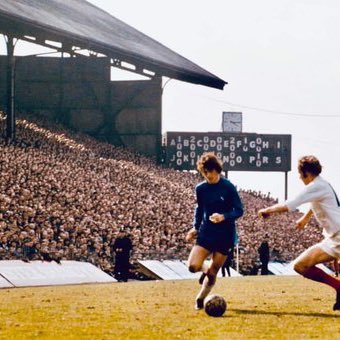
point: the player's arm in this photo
(237, 210)
(198, 216)
(301, 222)
(276, 208)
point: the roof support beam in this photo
(68, 47)
(139, 69)
(10, 107)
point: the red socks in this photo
(316, 274)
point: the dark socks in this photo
(316, 274)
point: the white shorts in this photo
(330, 245)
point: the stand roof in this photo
(78, 25)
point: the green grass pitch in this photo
(261, 307)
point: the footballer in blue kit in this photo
(221, 198)
(218, 206)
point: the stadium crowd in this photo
(65, 195)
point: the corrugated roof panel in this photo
(93, 28)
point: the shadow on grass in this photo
(252, 311)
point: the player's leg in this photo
(196, 259)
(217, 262)
(218, 259)
(305, 265)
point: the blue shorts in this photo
(215, 244)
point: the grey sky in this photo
(279, 56)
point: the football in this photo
(215, 305)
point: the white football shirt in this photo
(324, 204)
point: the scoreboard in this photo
(238, 151)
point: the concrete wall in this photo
(78, 93)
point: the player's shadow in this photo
(252, 311)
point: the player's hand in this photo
(263, 213)
(216, 218)
(192, 233)
(301, 223)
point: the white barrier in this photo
(4, 283)
(279, 268)
(37, 273)
(176, 270)
(181, 269)
(160, 270)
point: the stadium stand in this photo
(64, 196)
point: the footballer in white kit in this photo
(325, 206)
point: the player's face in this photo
(305, 178)
(212, 177)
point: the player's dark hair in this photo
(309, 164)
(209, 162)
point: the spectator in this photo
(122, 247)
(264, 256)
